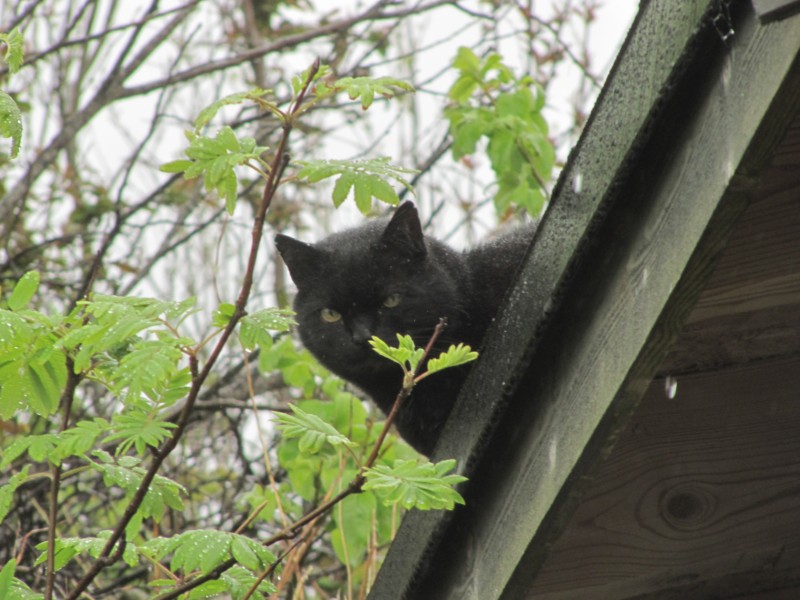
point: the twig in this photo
(67, 397)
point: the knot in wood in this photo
(688, 507)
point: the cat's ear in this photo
(403, 234)
(303, 260)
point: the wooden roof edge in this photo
(610, 136)
(655, 58)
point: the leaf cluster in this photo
(488, 101)
(216, 158)
(409, 357)
(365, 178)
(10, 114)
(363, 88)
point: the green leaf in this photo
(412, 484)
(176, 166)
(12, 588)
(405, 354)
(110, 327)
(23, 291)
(211, 110)
(223, 314)
(209, 589)
(161, 494)
(11, 122)
(467, 126)
(7, 492)
(147, 367)
(139, 429)
(467, 61)
(14, 49)
(32, 375)
(489, 101)
(455, 355)
(14, 450)
(250, 553)
(302, 469)
(216, 159)
(313, 432)
(78, 440)
(6, 577)
(244, 554)
(362, 194)
(240, 581)
(203, 549)
(176, 388)
(298, 81)
(367, 179)
(206, 549)
(68, 548)
(254, 328)
(365, 88)
(342, 187)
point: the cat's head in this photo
(382, 278)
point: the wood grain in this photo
(699, 487)
(750, 308)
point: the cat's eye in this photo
(329, 315)
(391, 300)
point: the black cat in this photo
(386, 277)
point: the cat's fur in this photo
(357, 272)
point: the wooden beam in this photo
(699, 497)
(750, 307)
(590, 313)
(770, 10)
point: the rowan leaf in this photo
(68, 548)
(23, 291)
(413, 484)
(212, 109)
(366, 178)
(7, 492)
(139, 429)
(11, 122)
(312, 431)
(13, 56)
(254, 328)
(454, 356)
(126, 473)
(217, 158)
(205, 549)
(364, 88)
(405, 354)
(33, 370)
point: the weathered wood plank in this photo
(760, 269)
(750, 309)
(724, 142)
(769, 10)
(699, 487)
(614, 324)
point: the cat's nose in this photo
(361, 331)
